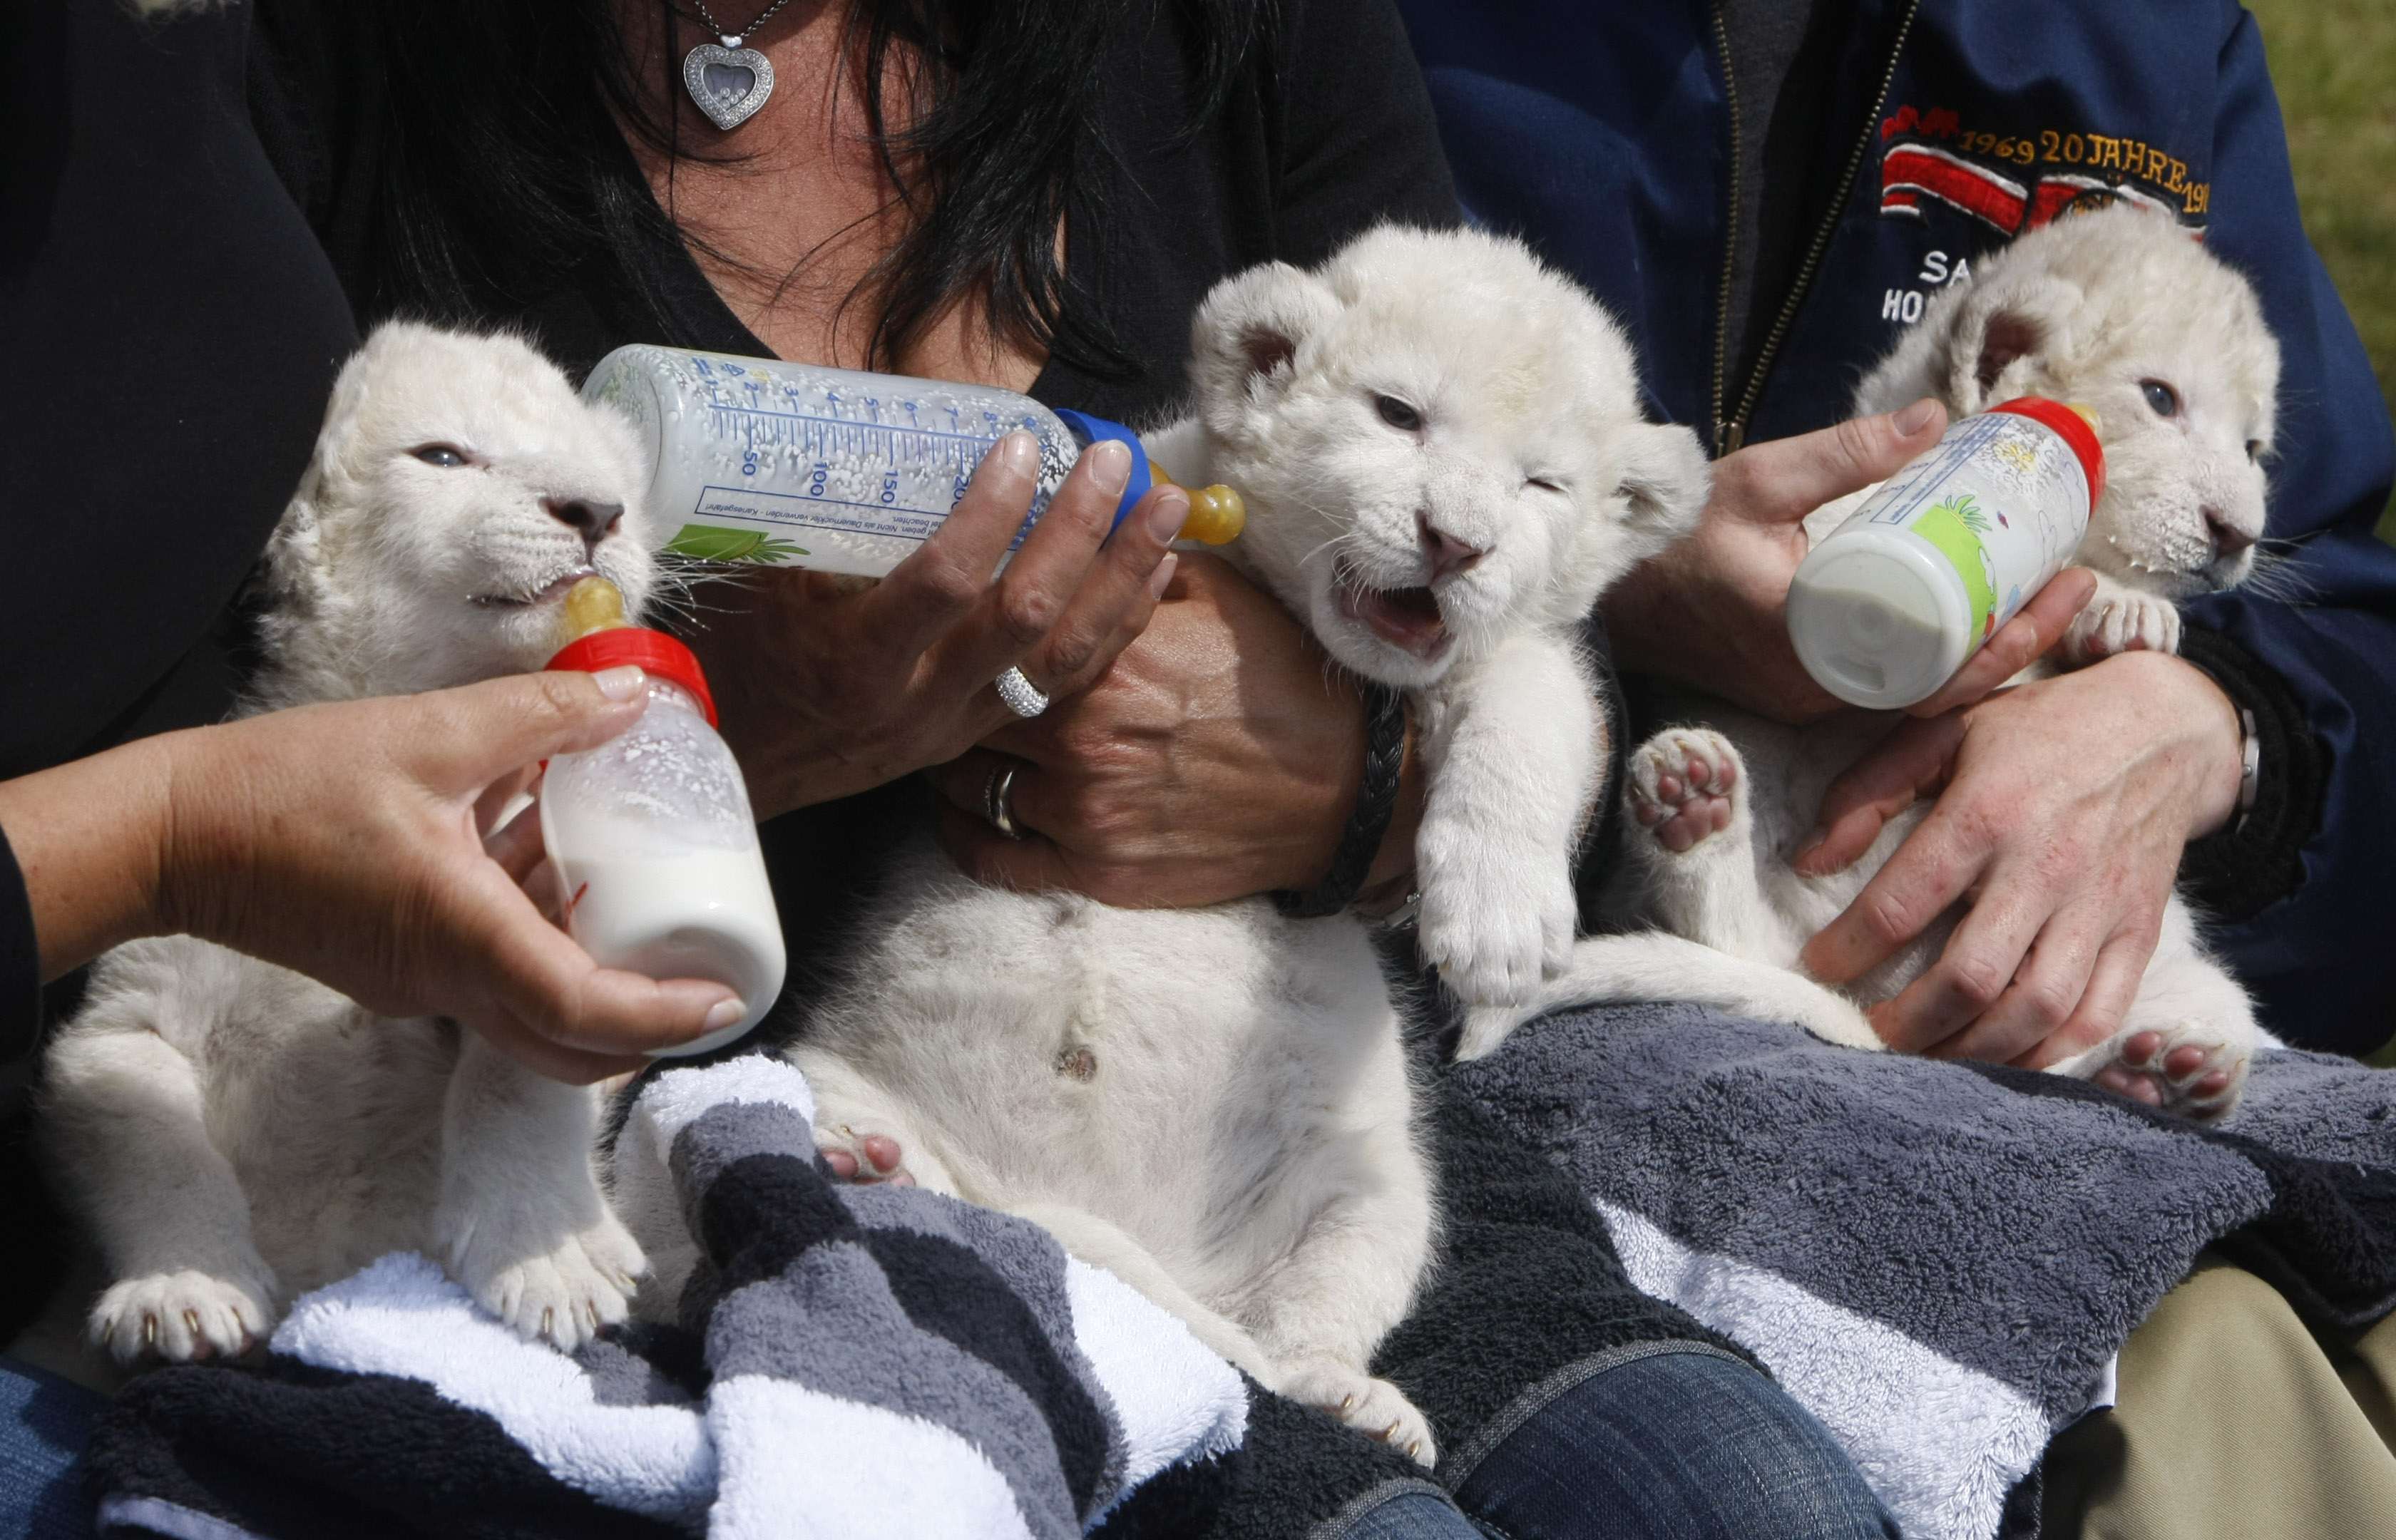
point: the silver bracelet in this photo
(2250, 768)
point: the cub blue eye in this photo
(439, 454)
(2162, 397)
(1397, 414)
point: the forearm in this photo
(2256, 858)
(2215, 745)
(1519, 747)
(88, 837)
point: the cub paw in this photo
(183, 1317)
(1496, 921)
(2115, 623)
(2193, 1069)
(1685, 787)
(856, 1155)
(563, 1295)
(1373, 1407)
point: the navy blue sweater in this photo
(1602, 133)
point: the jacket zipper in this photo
(1725, 440)
(1729, 434)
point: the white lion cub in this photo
(1441, 446)
(2118, 308)
(230, 1133)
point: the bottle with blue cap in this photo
(761, 460)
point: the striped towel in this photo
(852, 1360)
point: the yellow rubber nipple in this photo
(592, 604)
(2087, 415)
(1217, 513)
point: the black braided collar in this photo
(1376, 799)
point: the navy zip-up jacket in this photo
(1602, 132)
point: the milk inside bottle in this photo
(650, 832)
(1890, 604)
(760, 460)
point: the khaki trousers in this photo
(2234, 1420)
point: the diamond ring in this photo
(1021, 695)
(994, 805)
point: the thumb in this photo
(533, 981)
(1791, 477)
(478, 732)
(1914, 759)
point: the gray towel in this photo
(1941, 1261)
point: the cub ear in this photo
(2003, 336)
(292, 568)
(1664, 478)
(1246, 340)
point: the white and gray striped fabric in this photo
(857, 1360)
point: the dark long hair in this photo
(503, 174)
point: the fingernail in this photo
(1168, 512)
(1162, 578)
(1109, 463)
(1805, 852)
(1019, 452)
(1917, 416)
(723, 1014)
(621, 684)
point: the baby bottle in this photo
(795, 465)
(1888, 606)
(650, 832)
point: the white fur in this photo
(2084, 310)
(1215, 1104)
(232, 1134)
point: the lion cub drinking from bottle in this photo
(231, 1134)
(2116, 308)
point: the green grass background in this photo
(2334, 62)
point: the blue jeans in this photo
(44, 1422)
(1671, 1443)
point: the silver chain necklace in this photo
(729, 83)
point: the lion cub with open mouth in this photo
(1441, 450)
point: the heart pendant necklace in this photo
(729, 83)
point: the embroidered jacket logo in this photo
(2013, 182)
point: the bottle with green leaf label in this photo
(763, 461)
(1896, 599)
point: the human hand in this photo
(828, 687)
(1711, 612)
(1220, 757)
(2063, 807)
(346, 841)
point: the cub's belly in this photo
(1155, 1067)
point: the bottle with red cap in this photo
(650, 833)
(1887, 609)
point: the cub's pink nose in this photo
(2228, 539)
(1447, 554)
